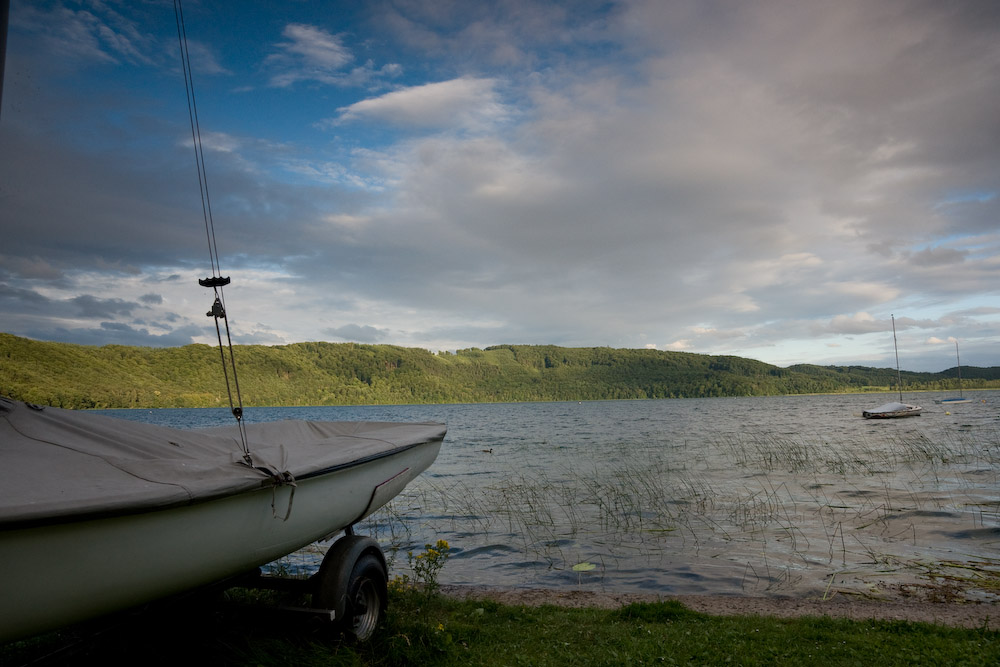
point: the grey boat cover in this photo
(891, 407)
(66, 463)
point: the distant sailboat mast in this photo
(959, 360)
(954, 400)
(4, 20)
(899, 377)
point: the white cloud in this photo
(857, 323)
(316, 47)
(308, 54)
(468, 103)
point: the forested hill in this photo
(78, 376)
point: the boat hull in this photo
(58, 573)
(909, 411)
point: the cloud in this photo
(357, 333)
(117, 333)
(22, 300)
(98, 34)
(308, 54)
(934, 340)
(93, 307)
(33, 268)
(739, 178)
(315, 47)
(933, 257)
(259, 335)
(468, 103)
(312, 54)
(858, 323)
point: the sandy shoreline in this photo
(902, 604)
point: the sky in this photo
(768, 179)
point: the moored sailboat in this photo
(892, 410)
(961, 397)
(896, 408)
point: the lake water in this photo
(789, 495)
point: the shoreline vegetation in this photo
(445, 629)
(117, 376)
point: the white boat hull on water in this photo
(59, 566)
(953, 401)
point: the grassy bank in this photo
(426, 629)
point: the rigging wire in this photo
(216, 281)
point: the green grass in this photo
(432, 630)
(481, 633)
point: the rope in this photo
(199, 153)
(216, 281)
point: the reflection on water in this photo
(769, 496)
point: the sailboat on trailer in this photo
(896, 408)
(107, 514)
(101, 515)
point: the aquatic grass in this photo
(390, 523)
(981, 574)
(838, 530)
(768, 452)
(778, 505)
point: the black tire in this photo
(367, 598)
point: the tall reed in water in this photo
(774, 504)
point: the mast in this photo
(4, 14)
(959, 360)
(899, 378)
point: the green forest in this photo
(115, 376)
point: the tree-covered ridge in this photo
(115, 376)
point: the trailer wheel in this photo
(367, 598)
(353, 583)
